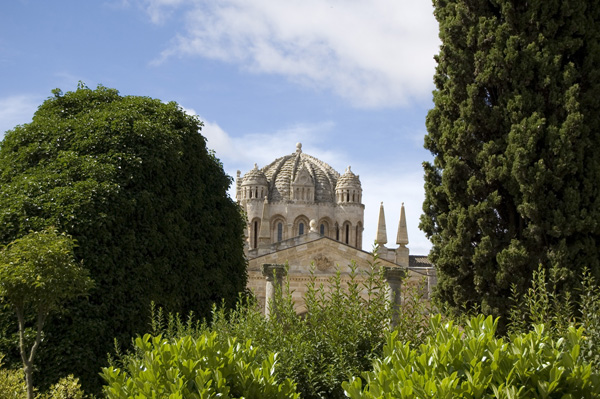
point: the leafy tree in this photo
(131, 179)
(514, 132)
(39, 272)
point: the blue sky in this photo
(349, 79)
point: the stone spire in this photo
(264, 236)
(402, 237)
(381, 230)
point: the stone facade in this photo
(301, 212)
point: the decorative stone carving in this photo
(322, 263)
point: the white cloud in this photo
(389, 186)
(372, 53)
(17, 110)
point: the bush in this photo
(473, 363)
(589, 305)
(340, 334)
(66, 388)
(202, 367)
(12, 383)
(558, 312)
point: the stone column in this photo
(394, 277)
(274, 276)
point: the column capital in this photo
(271, 270)
(394, 274)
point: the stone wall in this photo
(327, 255)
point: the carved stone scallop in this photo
(322, 263)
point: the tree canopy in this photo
(514, 131)
(38, 273)
(131, 179)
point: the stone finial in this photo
(298, 147)
(313, 226)
(255, 167)
(348, 169)
(381, 229)
(402, 237)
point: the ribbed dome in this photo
(255, 177)
(348, 180)
(282, 172)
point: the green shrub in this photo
(589, 306)
(473, 363)
(202, 367)
(66, 388)
(12, 383)
(542, 304)
(340, 334)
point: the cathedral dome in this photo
(284, 172)
(348, 180)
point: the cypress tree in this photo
(515, 134)
(130, 178)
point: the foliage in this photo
(589, 305)
(543, 304)
(131, 179)
(339, 335)
(202, 367)
(12, 383)
(38, 272)
(473, 363)
(66, 388)
(514, 135)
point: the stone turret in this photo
(348, 188)
(254, 186)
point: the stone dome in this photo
(255, 177)
(348, 180)
(282, 173)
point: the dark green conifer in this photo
(515, 131)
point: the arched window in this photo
(279, 231)
(322, 229)
(347, 233)
(301, 229)
(337, 232)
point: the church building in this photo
(300, 211)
